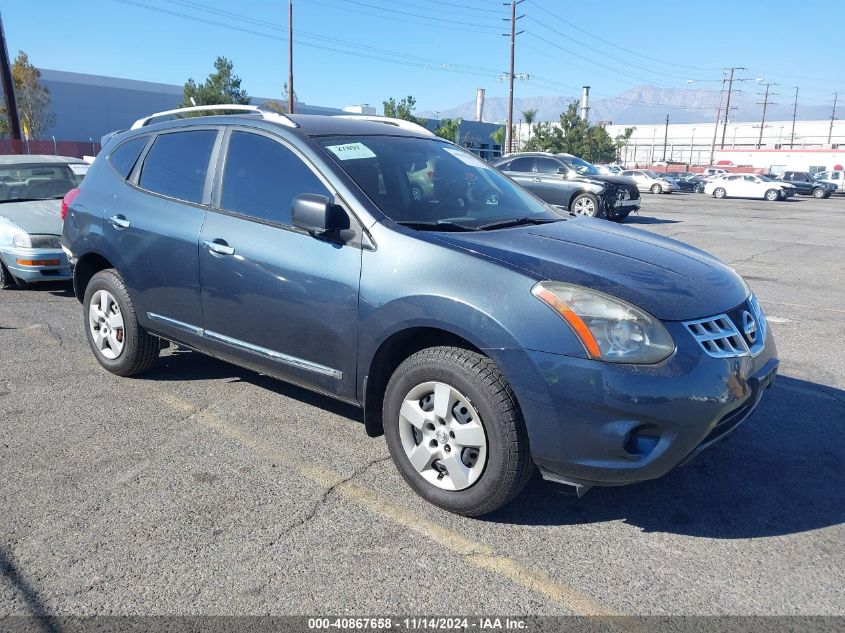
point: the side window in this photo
(627, 174)
(526, 163)
(504, 166)
(123, 158)
(177, 163)
(547, 166)
(835, 175)
(750, 178)
(262, 177)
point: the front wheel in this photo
(820, 193)
(772, 195)
(7, 282)
(455, 432)
(586, 204)
(119, 343)
(656, 189)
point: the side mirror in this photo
(318, 214)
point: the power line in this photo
(614, 44)
(449, 21)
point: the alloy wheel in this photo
(443, 436)
(584, 206)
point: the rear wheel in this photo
(656, 189)
(586, 204)
(455, 432)
(719, 192)
(120, 344)
(772, 195)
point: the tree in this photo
(529, 116)
(221, 86)
(573, 135)
(498, 136)
(32, 98)
(449, 129)
(402, 109)
(281, 105)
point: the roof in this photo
(28, 159)
(318, 125)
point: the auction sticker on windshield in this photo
(351, 151)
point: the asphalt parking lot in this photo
(202, 488)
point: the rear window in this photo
(177, 163)
(124, 157)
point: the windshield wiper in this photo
(517, 222)
(439, 225)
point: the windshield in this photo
(30, 181)
(581, 166)
(432, 184)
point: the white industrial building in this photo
(692, 142)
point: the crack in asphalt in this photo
(760, 254)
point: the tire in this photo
(127, 354)
(7, 282)
(621, 216)
(698, 189)
(820, 193)
(586, 204)
(772, 194)
(720, 193)
(656, 189)
(492, 465)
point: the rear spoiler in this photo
(106, 138)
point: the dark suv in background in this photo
(572, 183)
(806, 185)
(484, 332)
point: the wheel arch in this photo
(389, 355)
(86, 267)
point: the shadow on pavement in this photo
(184, 364)
(644, 219)
(9, 573)
(780, 473)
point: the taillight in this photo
(70, 196)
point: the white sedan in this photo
(747, 186)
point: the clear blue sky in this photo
(363, 51)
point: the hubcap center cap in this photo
(441, 436)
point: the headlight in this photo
(611, 330)
(45, 241)
(21, 240)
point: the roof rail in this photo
(267, 115)
(400, 123)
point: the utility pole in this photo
(665, 137)
(718, 116)
(9, 87)
(832, 118)
(291, 98)
(513, 34)
(765, 106)
(794, 115)
(728, 104)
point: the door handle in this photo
(119, 222)
(218, 247)
(537, 180)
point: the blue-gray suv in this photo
(485, 333)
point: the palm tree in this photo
(529, 116)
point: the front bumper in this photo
(596, 423)
(24, 264)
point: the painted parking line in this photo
(472, 552)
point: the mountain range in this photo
(642, 105)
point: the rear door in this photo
(153, 226)
(522, 171)
(275, 298)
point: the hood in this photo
(616, 180)
(667, 278)
(36, 217)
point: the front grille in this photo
(725, 335)
(718, 336)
